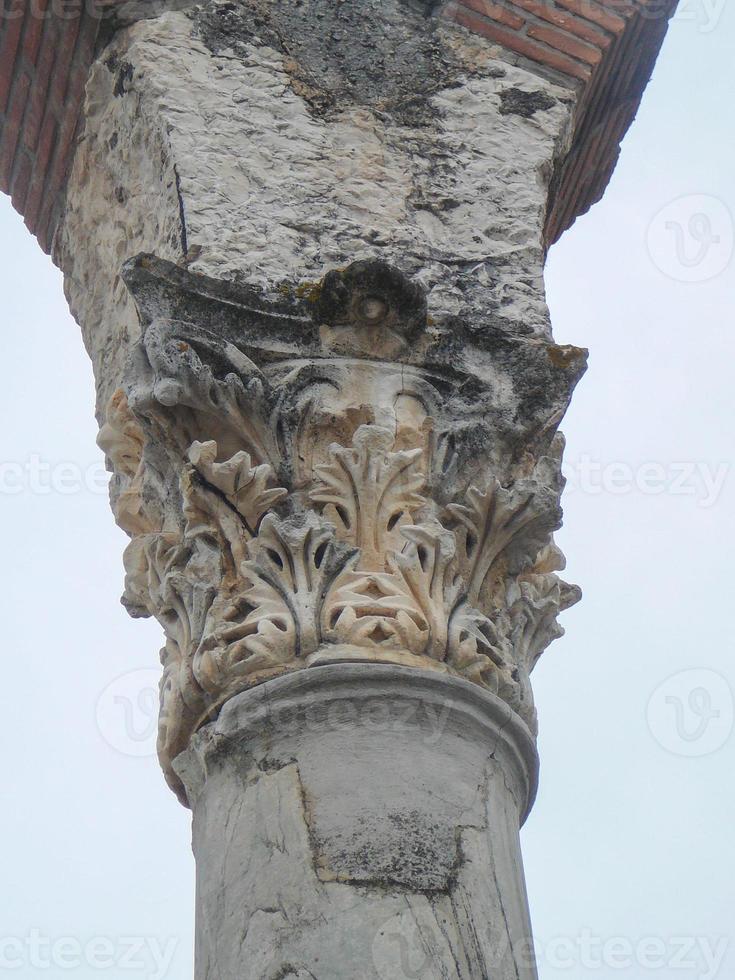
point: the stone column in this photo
(340, 509)
(335, 448)
(361, 820)
(305, 244)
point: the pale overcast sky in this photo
(630, 851)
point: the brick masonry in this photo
(608, 49)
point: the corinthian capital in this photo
(333, 474)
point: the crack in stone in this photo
(182, 213)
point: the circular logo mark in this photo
(692, 713)
(127, 713)
(691, 239)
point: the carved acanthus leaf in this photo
(417, 605)
(513, 524)
(371, 493)
(122, 440)
(194, 385)
(121, 437)
(533, 608)
(534, 601)
(291, 567)
(211, 518)
(245, 486)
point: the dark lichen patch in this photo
(289, 971)
(123, 72)
(426, 7)
(416, 112)
(514, 101)
(383, 53)
(406, 851)
(123, 80)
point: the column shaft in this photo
(360, 822)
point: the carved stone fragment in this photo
(335, 476)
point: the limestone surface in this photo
(219, 138)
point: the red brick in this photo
(43, 234)
(88, 31)
(595, 13)
(56, 176)
(47, 139)
(39, 94)
(64, 56)
(12, 127)
(42, 230)
(64, 143)
(521, 45)
(99, 9)
(66, 46)
(495, 12)
(35, 21)
(583, 173)
(548, 10)
(75, 88)
(46, 146)
(34, 199)
(21, 180)
(564, 42)
(10, 31)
